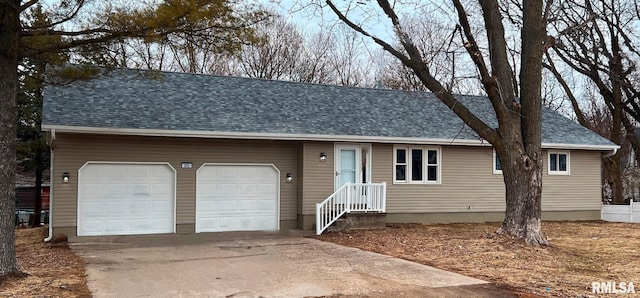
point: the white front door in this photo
(352, 164)
(348, 165)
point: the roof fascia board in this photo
(297, 137)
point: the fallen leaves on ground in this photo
(580, 253)
(52, 270)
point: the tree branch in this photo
(490, 83)
(567, 90)
(25, 6)
(414, 62)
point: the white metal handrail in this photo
(358, 197)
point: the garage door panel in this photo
(115, 189)
(227, 204)
(138, 189)
(247, 189)
(114, 208)
(236, 198)
(137, 172)
(115, 225)
(92, 227)
(264, 221)
(161, 172)
(265, 205)
(226, 173)
(208, 223)
(248, 205)
(206, 188)
(207, 206)
(124, 199)
(162, 206)
(226, 188)
(91, 189)
(139, 208)
(91, 208)
(139, 225)
(92, 172)
(157, 189)
(268, 188)
(246, 172)
(112, 171)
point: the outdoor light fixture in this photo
(65, 177)
(289, 178)
(323, 156)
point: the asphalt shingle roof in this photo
(134, 99)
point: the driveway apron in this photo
(261, 267)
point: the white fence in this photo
(621, 213)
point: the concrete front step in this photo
(359, 221)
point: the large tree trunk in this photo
(9, 28)
(521, 147)
(613, 175)
(523, 191)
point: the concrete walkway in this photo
(267, 266)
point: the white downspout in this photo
(612, 153)
(51, 182)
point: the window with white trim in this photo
(497, 167)
(559, 163)
(416, 165)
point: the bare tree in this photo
(349, 58)
(596, 39)
(275, 56)
(441, 51)
(517, 138)
(314, 65)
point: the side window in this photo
(400, 161)
(433, 166)
(559, 163)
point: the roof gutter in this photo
(300, 137)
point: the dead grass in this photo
(51, 270)
(580, 253)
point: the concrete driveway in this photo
(259, 265)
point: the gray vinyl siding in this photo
(582, 190)
(71, 151)
(318, 176)
(469, 185)
(467, 181)
(300, 177)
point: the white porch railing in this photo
(621, 213)
(358, 197)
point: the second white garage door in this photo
(237, 198)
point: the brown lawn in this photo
(51, 270)
(580, 253)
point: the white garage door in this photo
(125, 199)
(237, 198)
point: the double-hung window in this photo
(416, 165)
(559, 163)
